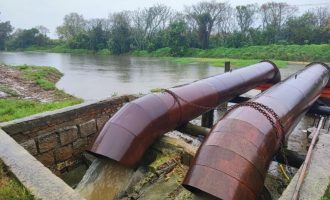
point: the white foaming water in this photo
(105, 179)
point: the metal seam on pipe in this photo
(253, 164)
(296, 105)
(244, 184)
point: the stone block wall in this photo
(58, 138)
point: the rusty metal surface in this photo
(127, 135)
(233, 161)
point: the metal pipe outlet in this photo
(127, 135)
(233, 161)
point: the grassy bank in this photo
(65, 49)
(10, 187)
(220, 62)
(274, 52)
(39, 80)
(17, 108)
(248, 55)
(197, 58)
(238, 56)
(308, 53)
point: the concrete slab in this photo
(38, 179)
(318, 176)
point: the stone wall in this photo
(58, 138)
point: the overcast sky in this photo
(50, 13)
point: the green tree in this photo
(79, 41)
(177, 38)
(120, 33)
(28, 37)
(73, 25)
(97, 37)
(5, 30)
(299, 30)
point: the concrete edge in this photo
(38, 179)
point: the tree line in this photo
(202, 25)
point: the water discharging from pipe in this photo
(104, 180)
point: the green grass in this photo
(220, 62)
(45, 77)
(17, 108)
(10, 187)
(156, 90)
(278, 52)
(62, 48)
(308, 53)
(326, 194)
(246, 55)
(6, 89)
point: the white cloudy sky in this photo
(50, 13)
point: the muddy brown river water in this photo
(93, 77)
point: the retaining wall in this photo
(58, 138)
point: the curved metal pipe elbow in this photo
(233, 161)
(128, 134)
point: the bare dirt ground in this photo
(14, 84)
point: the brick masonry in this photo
(58, 138)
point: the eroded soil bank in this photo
(27, 90)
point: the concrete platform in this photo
(318, 175)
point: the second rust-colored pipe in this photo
(233, 161)
(128, 134)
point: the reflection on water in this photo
(104, 179)
(94, 77)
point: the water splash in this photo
(105, 179)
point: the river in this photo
(93, 77)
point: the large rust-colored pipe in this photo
(233, 161)
(127, 135)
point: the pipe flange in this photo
(277, 76)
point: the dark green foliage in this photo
(120, 41)
(97, 37)
(26, 38)
(80, 41)
(5, 30)
(299, 29)
(177, 38)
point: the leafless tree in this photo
(204, 15)
(246, 16)
(147, 22)
(276, 14)
(225, 23)
(43, 30)
(322, 14)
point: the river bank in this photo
(280, 54)
(27, 90)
